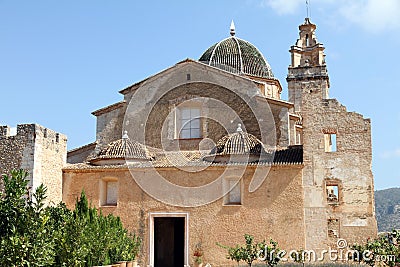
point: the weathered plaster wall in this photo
(109, 126)
(275, 210)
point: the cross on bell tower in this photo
(308, 68)
(307, 51)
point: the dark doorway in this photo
(169, 241)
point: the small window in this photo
(112, 193)
(109, 193)
(189, 123)
(333, 228)
(332, 194)
(298, 136)
(330, 142)
(234, 196)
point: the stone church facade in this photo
(207, 151)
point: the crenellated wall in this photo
(38, 150)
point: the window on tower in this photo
(330, 142)
(333, 191)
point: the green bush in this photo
(25, 238)
(251, 252)
(34, 235)
(384, 250)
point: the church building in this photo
(206, 151)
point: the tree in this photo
(252, 251)
(383, 250)
(24, 232)
(269, 253)
(34, 235)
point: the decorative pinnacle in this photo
(239, 128)
(232, 28)
(125, 135)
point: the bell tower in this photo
(337, 152)
(307, 72)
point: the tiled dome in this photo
(120, 150)
(239, 143)
(236, 145)
(237, 56)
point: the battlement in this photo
(32, 132)
(40, 151)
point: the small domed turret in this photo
(237, 147)
(117, 152)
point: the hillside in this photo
(387, 203)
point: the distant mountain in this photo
(387, 204)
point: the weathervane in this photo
(308, 8)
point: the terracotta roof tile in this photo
(290, 156)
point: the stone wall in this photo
(38, 150)
(349, 212)
(109, 125)
(80, 154)
(236, 97)
(17, 151)
(349, 167)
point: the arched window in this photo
(189, 122)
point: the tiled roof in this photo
(237, 56)
(289, 156)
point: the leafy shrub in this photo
(382, 250)
(34, 235)
(252, 252)
(25, 238)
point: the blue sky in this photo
(61, 60)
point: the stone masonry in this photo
(350, 213)
(40, 151)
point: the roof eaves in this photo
(276, 101)
(109, 108)
(82, 147)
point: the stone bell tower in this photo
(307, 69)
(337, 153)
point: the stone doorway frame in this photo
(151, 233)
